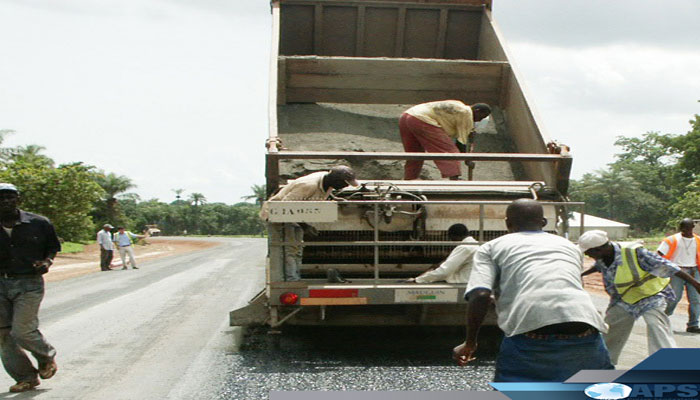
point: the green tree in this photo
(64, 194)
(30, 155)
(108, 209)
(259, 194)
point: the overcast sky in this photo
(173, 93)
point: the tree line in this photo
(653, 183)
(80, 198)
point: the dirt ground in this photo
(77, 264)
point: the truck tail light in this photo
(289, 298)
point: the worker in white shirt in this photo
(124, 240)
(104, 240)
(458, 265)
(683, 249)
(315, 186)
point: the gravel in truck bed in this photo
(372, 128)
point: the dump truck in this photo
(341, 74)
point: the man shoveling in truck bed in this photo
(315, 186)
(444, 126)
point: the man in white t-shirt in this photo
(458, 265)
(552, 329)
(683, 249)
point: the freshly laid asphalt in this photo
(161, 332)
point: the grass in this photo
(650, 242)
(72, 247)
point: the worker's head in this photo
(525, 215)
(686, 227)
(480, 111)
(120, 229)
(457, 232)
(340, 177)
(595, 244)
(9, 198)
(107, 227)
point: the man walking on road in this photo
(28, 244)
(439, 127)
(637, 281)
(104, 240)
(124, 240)
(683, 249)
(552, 329)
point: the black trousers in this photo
(105, 258)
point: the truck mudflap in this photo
(254, 314)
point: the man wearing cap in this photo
(683, 249)
(28, 244)
(315, 186)
(637, 281)
(552, 329)
(104, 240)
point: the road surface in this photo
(161, 332)
(143, 334)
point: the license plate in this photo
(425, 295)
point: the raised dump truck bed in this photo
(342, 72)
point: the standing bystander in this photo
(104, 240)
(683, 249)
(125, 240)
(28, 244)
(546, 315)
(637, 281)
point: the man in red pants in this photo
(439, 127)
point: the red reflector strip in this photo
(320, 293)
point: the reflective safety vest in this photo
(632, 282)
(672, 242)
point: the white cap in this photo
(592, 239)
(8, 186)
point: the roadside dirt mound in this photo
(76, 264)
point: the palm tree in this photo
(113, 185)
(30, 154)
(259, 194)
(5, 153)
(613, 184)
(197, 199)
(178, 192)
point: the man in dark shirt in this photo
(28, 244)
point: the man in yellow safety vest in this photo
(637, 281)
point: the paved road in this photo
(147, 333)
(162, 332)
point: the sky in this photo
(173, 93)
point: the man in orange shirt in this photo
(683, 249)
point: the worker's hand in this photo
(470, 164)
(464, 353)
(45, 263)
(310, 230)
